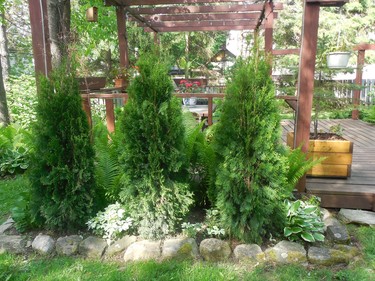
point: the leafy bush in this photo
(62, 170)
(251, 176)
(154, 188)
(304, 221)
(15, 146)
(368, 114)
(22, 99)
(110, 223)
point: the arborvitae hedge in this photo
(153, 187)
(251, 176)
(62, 169)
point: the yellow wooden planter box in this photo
(338, 154)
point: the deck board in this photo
(357, 191)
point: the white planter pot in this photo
(338, 59)
(189, 101)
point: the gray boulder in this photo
(68, 245)
(338, 234)
(246, 252)
(357, 216)
(120, 245)
(327, 257)
(143, 250)
(331, 221)
(215, 250)
(14, 244)
(6, 225)
(180, 248)
(43, 244)
(286, 252)
(92, 247)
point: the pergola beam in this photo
(204, 9)
(202, 23)
(204, 28)
(201, 17)
(165, 2)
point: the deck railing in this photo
(110, 106)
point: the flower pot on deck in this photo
(120, 83)
(338, 59)
(338, 157)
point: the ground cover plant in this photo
(154, 187)
(62, 171)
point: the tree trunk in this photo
(59, 28)
(4, 113)
(4, 49)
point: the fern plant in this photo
(251, 175)
(298, 165)
(201, 159)
(153, 186)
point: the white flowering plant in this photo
(111, 223)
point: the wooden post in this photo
(306, 78)
(156, 39)
(110, 115)
(268, 33)
(210, 104)
(87, 108)
(122, 37)
(358, 81)
(40, 37)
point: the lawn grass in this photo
(10, 194)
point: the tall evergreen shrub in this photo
(251, 174)
(153, 186)
(62, 168)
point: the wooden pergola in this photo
(159, 16)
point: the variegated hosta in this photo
(304, 222)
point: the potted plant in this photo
(338, 59)
(331, 145)
(121, 76)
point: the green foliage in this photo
(210, 227)
(298, 165)
(154, 189)
(15, 146)
(368, 114)
(251, 175)
(62, 170)
(12, 192)
(201, 159)
(22, 99)
(304, 221)
(107, 167)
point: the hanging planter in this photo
(338, 59)
(92, 14)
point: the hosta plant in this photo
(304, 221)
(110, 223)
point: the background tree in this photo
(59, 28)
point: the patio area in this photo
(358, 191)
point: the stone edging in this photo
(131, 248)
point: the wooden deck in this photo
(358, 191)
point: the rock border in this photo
(337, 249)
